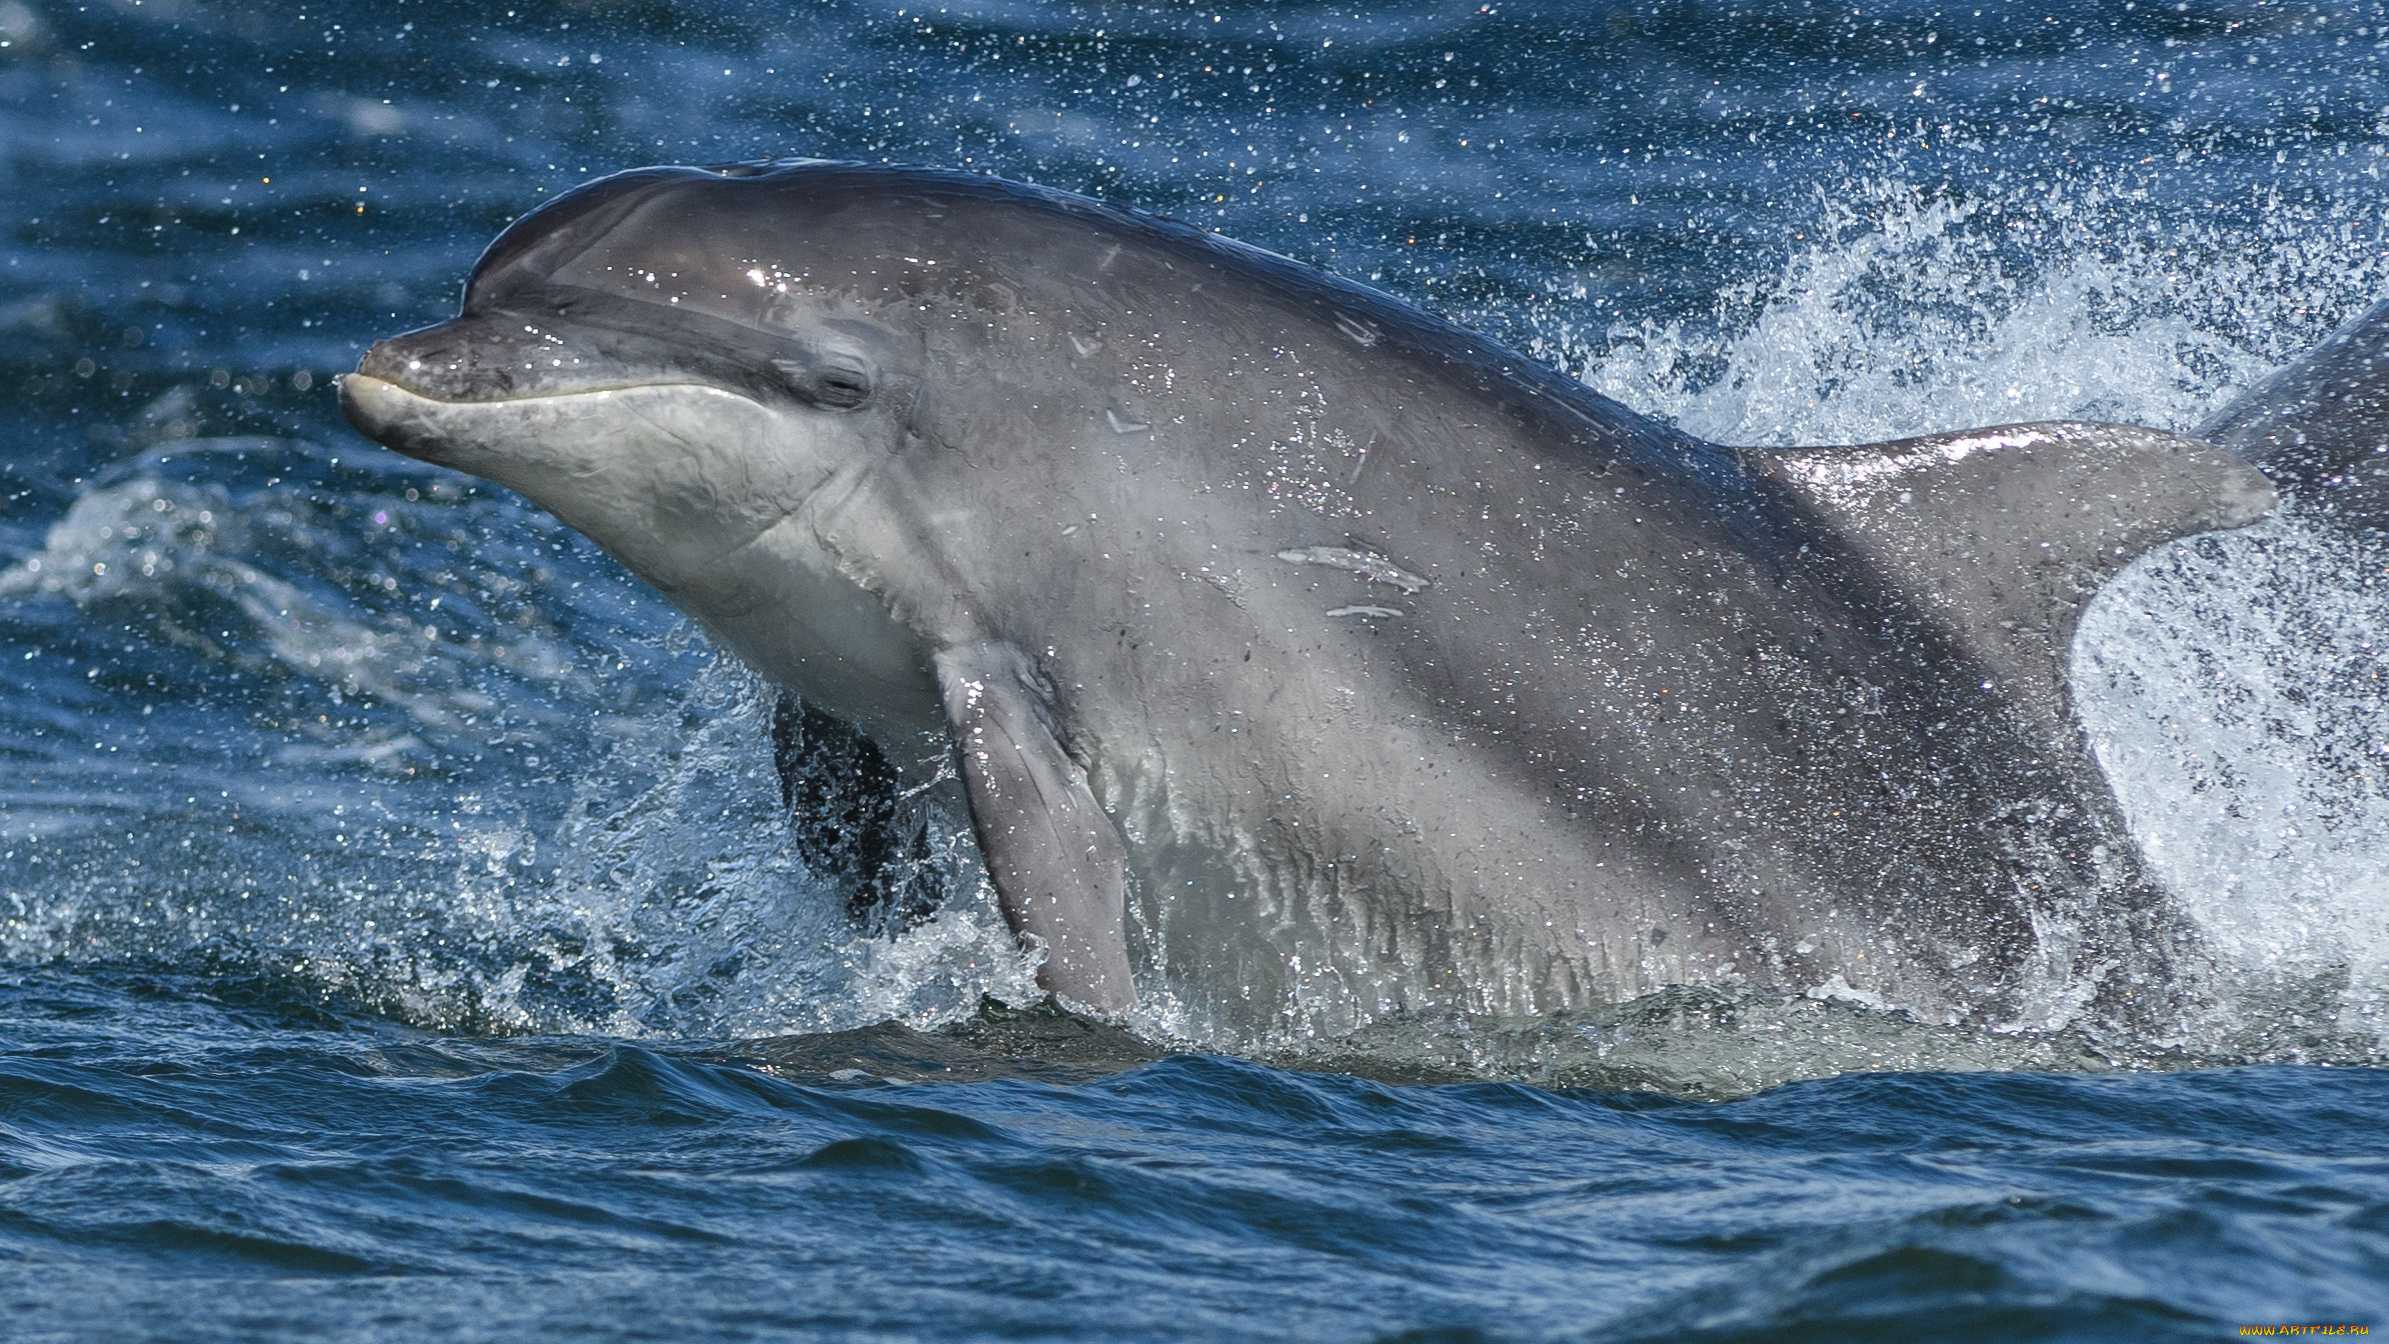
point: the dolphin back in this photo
(2320, 428)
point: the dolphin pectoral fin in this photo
(1060, 869)
(2000, 536)
(2320, 428)
(854, 826)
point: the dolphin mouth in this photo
(398, 417)
(369, 382)
(441, 430)
(426, 393)
(579, 341)
(495, 358)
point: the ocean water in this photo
(400, 933)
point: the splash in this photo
(1906, 312)
(712, 923)
(2230, 685)
(2232, 688)
(420, 749)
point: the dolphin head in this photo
(670, 365)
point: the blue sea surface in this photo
(190, 1160)
(401, 934)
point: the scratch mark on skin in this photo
(1367, 564)
(1120, 426)
(1360, 463)
(1386, 612)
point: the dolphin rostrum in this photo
(1305, 657)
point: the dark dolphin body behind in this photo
(2320, 428)
(1306, 657)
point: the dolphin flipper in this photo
(1059, 867)
(856, 825)
(2320, 428)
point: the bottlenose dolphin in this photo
(1305, 657)
(2320, 428)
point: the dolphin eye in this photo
(832, 380)
(842, 388)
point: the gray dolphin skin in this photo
(1305, 658)
(2320, 428)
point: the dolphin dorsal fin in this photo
(2000, 536)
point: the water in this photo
(399, 933)
(214, 1164)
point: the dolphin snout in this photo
(465, 359)
(385, 360)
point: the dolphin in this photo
(1305, 658)
(2320, 427)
